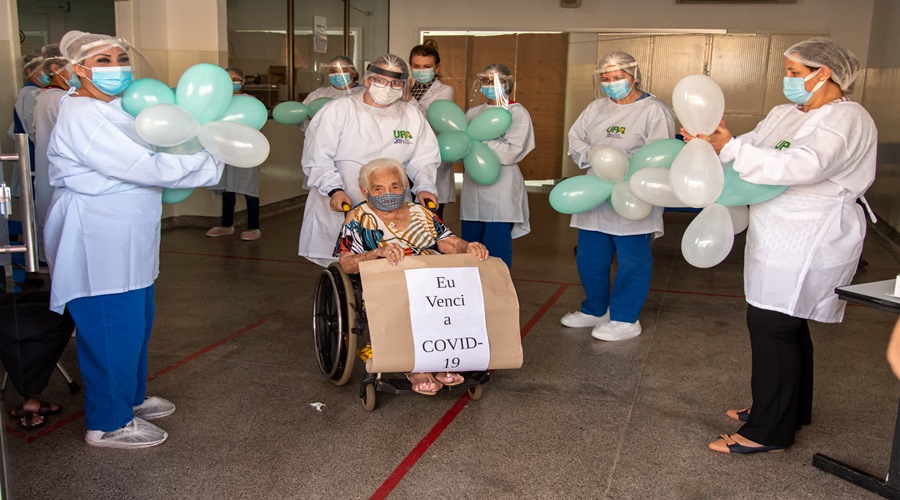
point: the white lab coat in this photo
(446, 185)
(343, 136)
(504, 200)
(45, 113)
(806, 241)
(330, 92)
(102, 230)
(639, 123)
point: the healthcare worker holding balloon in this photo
(496, 214)
(342, 78)
(348, 133)
(427, 87)
(46, 110)
(102, 238)
(238, 180)
(626, 119)
(804, 242)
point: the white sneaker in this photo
(154, 407)
(579, 319)
(251, 235)
(220, 231)
(617, 330)
(136, 434)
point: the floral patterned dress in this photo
(366, 231)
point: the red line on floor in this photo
(32, 437)
(413, 457)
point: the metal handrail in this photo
(22, 168)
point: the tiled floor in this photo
(232, 348)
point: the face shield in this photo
(340, 74)
(492, 86)
(95, 50)
(616, 81)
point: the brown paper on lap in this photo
(387, 310)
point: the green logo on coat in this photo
(783, 145)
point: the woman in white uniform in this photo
(46, 110)
(23, 110)
(349, 132)
(626, 118)
(496, 214)
(343, 79)
(102, 238)
(427, 87)
(806, 241)
(235, 181)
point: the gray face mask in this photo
(387, 202)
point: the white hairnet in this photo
(52, 56)
(624, 61)
(76, 46)
(818, 52)
(31, 64)
(389, 63)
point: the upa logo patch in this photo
(615, 132)
(402, 137)
(783, 145)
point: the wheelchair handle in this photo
(345, 207)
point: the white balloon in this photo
(166, 125)
(234, 143)
(626, 204)
(740, 217)
(608, 163)
(699, 104)
(708, 238)
(651, 185)
(696, 176)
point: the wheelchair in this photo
(340, 325)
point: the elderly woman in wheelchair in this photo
(386, 226)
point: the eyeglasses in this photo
(382, 82)
(489, 80)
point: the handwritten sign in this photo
(446, 308)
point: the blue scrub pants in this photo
(632, 285)
(496, 236)
(113, 332)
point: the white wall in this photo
(848, 22)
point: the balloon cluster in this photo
(460, 140)
(670, 173)
(201, 112)
(293, 112)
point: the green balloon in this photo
(490, 124)
(482, 164)
(290, 113)
(454, 145)
(317, 104)
(146, 92)
(205, 90)
(247, 110)
(175, 195)
(446, 116)
(580, 194)
(659, 153)
(737, 191)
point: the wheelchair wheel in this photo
(476, 392)
(334, 319)
(368, 401)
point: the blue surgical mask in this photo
(616, 90)
(44, 80)
(111, 80)
(489, 91)
(424, 75)
(73, 81)
(795, 88)
(387, 202)
(236, 86)
(339, 80)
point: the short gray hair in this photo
(378, 165)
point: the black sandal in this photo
(32, 421)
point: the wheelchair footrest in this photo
(402, 386)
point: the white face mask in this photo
(384, 96)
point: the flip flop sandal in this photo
(740, 415)
(446, 376)
(32, 421)
(45, 408)
(431, 379)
